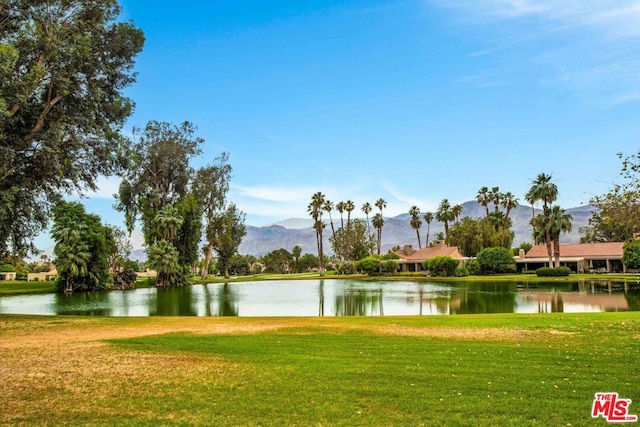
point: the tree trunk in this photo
(556, 249)
(549, 242)
(207, 261)
(418, 234)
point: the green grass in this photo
(546, 374)
(23, 287)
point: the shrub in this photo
(441, 266)
(553, 272)
(369, 265)
(631, 254)
(125, 279)
(390, 255)
(474, 267)
(496, 260)
(7, 268)
(461, 271)
(390, 266)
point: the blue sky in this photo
(409, 100)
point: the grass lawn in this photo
(23, 287)
(487, 370)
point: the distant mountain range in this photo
(396, 231)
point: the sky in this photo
(412, 101)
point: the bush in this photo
(369, 265)
(631, 254)
(474, 267)
(441, 266)
(496, 260)
(7, 268)
(461, 271)
(553, 272)
(390, 255)
(125, 279)
(390, 266)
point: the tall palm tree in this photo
(444, 214)
(546, 191)
(378, 223)
(509, 202)
(457, 211)
(559, 222)
(496, 197)
(428, 217)
(163, 258)
(416, 222)
(328, 207)
(483, 198)
(381, 204)
(542, 234)
(366, 209)
(315, 210)
(168, 221)
(349, 206)
(340, 206)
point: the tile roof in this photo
(428, 253)
(609, 249)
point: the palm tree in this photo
(328, 207)
(381, 204)
(340, 208)
(483, 198)
(296, 252)
(378, 223)
(559, 222)
(349, 206)
(495, 196)
(457, 211)
(416, 222)
(163, 258)
(542, 234)
(509, 202)
(168, 221)
(72, 258)
(543, 189)
(444, 214)
(366, 209)
(315, 210)
(428, 217)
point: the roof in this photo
(582, 250)
(428, 253)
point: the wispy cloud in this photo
(589, 47)
(107, 186)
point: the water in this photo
(336, 297)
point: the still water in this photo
(335, 297)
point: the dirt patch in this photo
(492, 334)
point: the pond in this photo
(336, 297)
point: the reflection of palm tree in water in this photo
(321, 299)
(228, 301)
(359, 302)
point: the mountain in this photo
(396, 231)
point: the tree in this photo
(119, 251)
(456, 210)
(616, 218)
(496, 197)
(428, 217)
(328, 207)
(483, 198)
(442, 265)
(296, 252)
(307, 262)
(472, 235)
(64, 67)
(353, 244)
(366, 209)
(509, 202)
(631, 254)
(315, 210)
(210, 188)
(278, 261)
(559, 222)
(82, 248)
(495, 260)
(542, 189)
(229, 231)
(163, 258)
(378, 223)
(416, 223)
(340, 208)
(444, 214)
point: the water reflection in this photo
(337, 297)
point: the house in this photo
(580, 257)
(7, 275)
(412, 259)
(44, 276)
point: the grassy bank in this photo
(19, 287)
(522, 370)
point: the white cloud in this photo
(107, 187)
(589, 47)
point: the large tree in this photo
(544, 190)
(315, 209)
(445, 215)
(472, 235)
(415, 221)
(353, 243)
(230, 230)
(64, 66)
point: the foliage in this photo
(82, 248)
(631, 254)
(7, 268)
(474, 267)
(64, 67)
(390, 266)
(553, 272)
(461, 271)
(229, 231)
(369, 265)
(119, 249)
(125, 279)
(346, 267)
(315, 209)
(237, 265)
(526, 246)
(616, 218)
(390, 255)
(495, 260)
(352, 242)
(163, 258)
(307, 262)
(296, 252)
(278, 261)
(442, 265)
(445, 215)
(472, 235)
